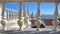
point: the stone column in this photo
(3, 21)
(38, 16)
(55, 21)
(20, 16)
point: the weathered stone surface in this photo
(28, 32)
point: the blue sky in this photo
(45, 8)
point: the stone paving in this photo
(28, 32)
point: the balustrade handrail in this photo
(12, 15)
(11, 9)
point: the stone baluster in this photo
(0, 12)
(16, 14)
(1, 27)
(26, 16)
(55, 24)
(56, 10)
(32, 16)
(28, 11)
(3, 21)
(20, 16)
(38, 16)
(7, 14)
(12, 14)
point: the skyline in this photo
(45, 8)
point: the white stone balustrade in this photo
(20, 20)
(11, 13)
(4, 17)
